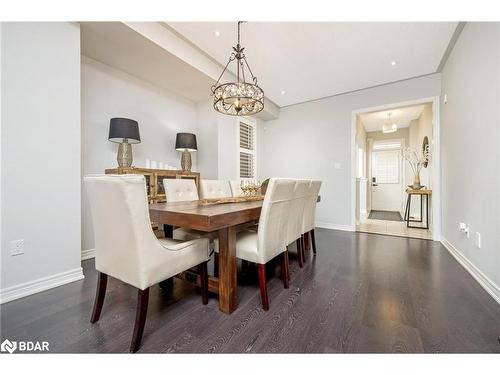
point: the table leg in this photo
(228, 297)
(169, 230)
(427, 209)
(409, 210)
(421, 209)
(167, 286)
(407, 214)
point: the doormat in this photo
(385, 215)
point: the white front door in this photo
(386, 180)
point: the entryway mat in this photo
(385, 215)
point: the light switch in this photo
(337, 165)
(478, 240)
(17, 247)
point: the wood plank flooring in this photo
(362, 293)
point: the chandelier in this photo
(389, 127)
(240, 98)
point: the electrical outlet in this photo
(16, 247)
(478, 240)
(464, 228)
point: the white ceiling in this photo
(117, 45)
(313, 60)
(373, 121)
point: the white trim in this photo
(436, 158)
(323, 224)
(436, 169)
(88, 254)
(253, 124)
(489, 286)
(39, 285)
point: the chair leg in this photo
(102, 282)
(300, 254)
(313, 240)
(307, 245)
(216, 264)
(204, 282)
(285, 275)
(140, 319)
(263, 286)
(302, 239)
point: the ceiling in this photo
(301, 61)
(373, 121)
(117, 45)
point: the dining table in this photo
(222, 218)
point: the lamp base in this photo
(186, 161)
(124, 156)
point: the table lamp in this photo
(186, 142)
(125, 132)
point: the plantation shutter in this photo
(247, 151)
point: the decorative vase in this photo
(416, 182)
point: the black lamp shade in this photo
(185, 141)
(121, 128)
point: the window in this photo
(393, 144)
(247, 150)
(386, 166)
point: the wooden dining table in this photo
(223, 218)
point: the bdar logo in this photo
(8, 346)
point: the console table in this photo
(154, 179)
(422, 193)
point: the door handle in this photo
(374, 184)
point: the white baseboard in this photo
(88, 254)
(489, 286)
(39, 285)
(322, 224)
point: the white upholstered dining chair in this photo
(309, 217)
(184, 190)
(236, 188)
(295, 221)
(213, 189)
(180, 190)
(127, 249)
(270, 239)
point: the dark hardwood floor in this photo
(362, 293)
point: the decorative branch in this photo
(415, 160)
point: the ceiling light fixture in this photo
(283, 92)
(217, 33)
(394, 62)
(240, 98)
(389, 127)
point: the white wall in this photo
(470, 141)
(107, 93)
(420, 128)
(361, 143)
(227, 147)
(40, 155)
(208, 143)
(308, 139)
(219, 134)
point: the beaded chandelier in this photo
(240, 98)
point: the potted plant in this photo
(416, 161)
